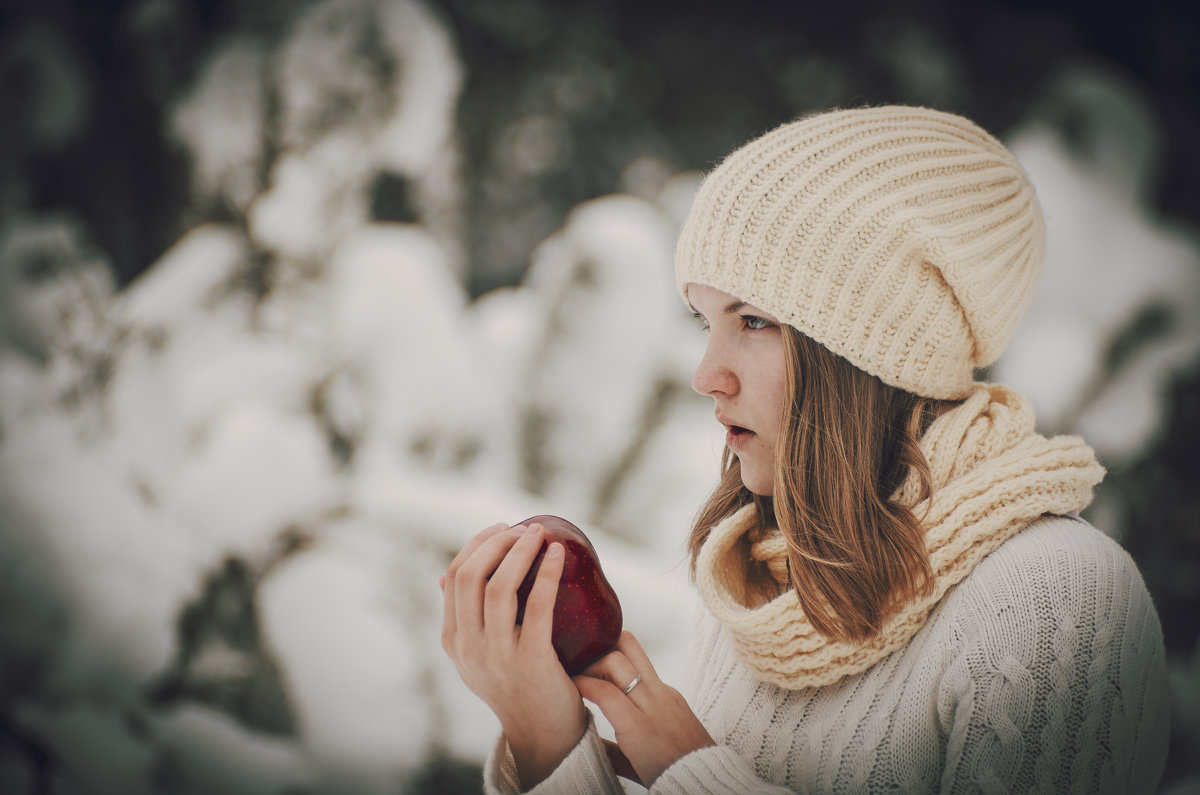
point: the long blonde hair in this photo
(846, 443)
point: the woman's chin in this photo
(763, 487)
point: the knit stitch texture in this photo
(906, 240)
(1042, 671)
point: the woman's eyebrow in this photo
(734, 306)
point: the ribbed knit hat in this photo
(906, 240)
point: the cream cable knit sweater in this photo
(1042, 671)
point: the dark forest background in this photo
(87, 87)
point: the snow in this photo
(186, 279)
(297, 216)
(213, 439)
(344, 424)
(52, 288)
(1109, 264)
(258, 473)
(416, 139)
(609, 351)
(80, 554)
(360, 687)
(221, 125)
(364, 87)
(200, 751)
(392, 306)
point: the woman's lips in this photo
(737, 437)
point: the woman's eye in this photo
(754, 323)
(700, 321)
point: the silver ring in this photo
(632, 684)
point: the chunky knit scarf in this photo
(992, 476)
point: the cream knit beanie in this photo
(907, 240)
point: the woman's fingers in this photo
(469, 548)
(616, 686)
(616, 706)
(628, 645)
(622, 666)
(540, 710)
(653, 722)
(471, 579)
(618, 670)
(447, 584)
(538, 623)
(500, 594)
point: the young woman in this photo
(900, 594)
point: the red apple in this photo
(587, 615)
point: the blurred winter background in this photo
(295, 297)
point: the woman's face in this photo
(743, 372)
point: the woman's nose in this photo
(713, 374)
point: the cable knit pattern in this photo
(992, 475)
(1042, 671)
(585, 770)
(905, 239)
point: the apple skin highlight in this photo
(587, 613)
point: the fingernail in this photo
(555, 549)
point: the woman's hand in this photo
(654, 725)
(513, 668)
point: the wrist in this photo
(537, 750)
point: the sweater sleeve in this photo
(717, 770)
(585, 771)
(1058, 679)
